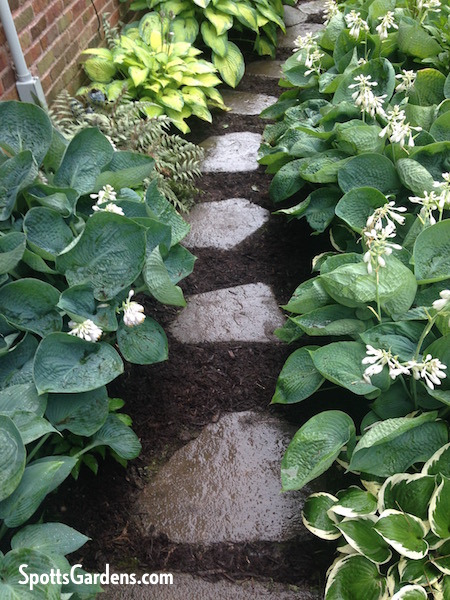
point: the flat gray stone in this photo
(271, 69)
(312, 7)
(187, 587)
(225, 486)
(231, 152)
(246, 103)
(224, 224)
(292, 33)
(245, 313)
(293, 15)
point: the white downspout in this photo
(29, 88)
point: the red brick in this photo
(38, 28)
(4, 60)
(49, 36)
(25, 39)
(8, 79)
(54, 11)
(24, 18)
(33, 54)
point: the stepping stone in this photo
(231, 152)
(187, 587)
(271, 69)
(245, 313)
(245, 103)
(293, 15)
(292, 33)
(224, 224)
(224, 486)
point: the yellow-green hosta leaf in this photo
(439, 511)
(355, 577)
(193, 95)
(202, 3)
(214, 98)
(203, 79)
(138, 75)
(201, 112)
(100, 69)
(404, 532)
(172, 99)
(218, 43)
(231, 67)
(153, 111)
(185, 30)
(316, 516)
(361, 535)
(221, 21)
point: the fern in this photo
(177, 161)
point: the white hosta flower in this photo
(110, 207)
(397, 129)
(389, 212)
(429, 203)
(331, 10)
(133, 312)
(365, 98)
(444, 188)
(430, 370)
(355, 23)
(307, 42)
(387, 22)
(377, 359)
(104, 195)
(429, 5)
(443, 301)
(312, 61)
(407, 79)
(87, 330)
(379, 246)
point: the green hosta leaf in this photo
(431, 253)
(439, 511)
(358, 204)
(12, 458)
(12, 247)
(441, 558)
(415, 41)
(407, 492)
(109, 255)
(15, 174)
(315, 447)
(419, 572)
(410, 592)
(12, 573)
(29, 305)
(143, 344)
(369, 170)
(355, 577)
(428, 88)
(404, 532)
(355, 138)
(330, 320)
(315, 515)
(323, 168)
(439, 462)
(355, 502)
(81, 414)
(440, 129)
(341, 363)
(308, 296)
(401, 338)
(179, 263)
(120, 438)
(298, 379)
(39, 479)
(49, 538)
(37, 263)
(87, 154)
(361, 536)
(414, 176)
(231, 66)
(67, 364)
(25, 127)
(158, 281)
(79, 303)
(47, 232)
(162, 210)
(287, 181)
(434, 157)
(393, 445)
(381, 71)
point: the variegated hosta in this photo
(392, 541)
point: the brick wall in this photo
(52, 34)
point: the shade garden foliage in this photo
(363, 130)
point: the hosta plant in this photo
(77, 246)
(218, 20)
(157, 67)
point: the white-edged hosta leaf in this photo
(81, 414)
(49, 538)
(439, 510)
(355, 502)
(355, 577)
(12, 457)
(441, 558)
(118, 437)
(362, 536)
(420, 572)
(298, 379)
(409, 492)
(316, 517)
(410, 592)
(315, 447)
(404, 532)
(32, 562)
(439, 462)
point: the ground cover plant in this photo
(79, 241)
(364, 128)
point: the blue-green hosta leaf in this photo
(404, 532)
(86, 156)
(330, 320)
(414, 176)
(162, 210)
(355, 502)
(31, 427)
(298, 379)
(369, 170)
(12, 457)
(341, 363)
(415, 41)
(315, 447)
(12, 586)
(231, 66)
(287, 181)
(12, 247)
(47, 232)
(143, 344)
(411, 592)
(29, 305)
(39, 479)
(23, 397)
(409, 492)
(381, 71)
(308, 296)
(354, 577)
(434, 157)
(120, 438)
(439, 511)
(439, 462)
(25, 127)
(68, 364)
(16, 365)
(316, 516)
(158, 281)
(355, 137)
(79, 303)
(419, 572)
(179, 263)
(431, 252)
(358, 204)
(360, 534)
(109, 255)
(15, 174)
(393, 445)
(63, 200)
(81, 414)
(49, 538)
(401, 337)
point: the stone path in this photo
(224, 486)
